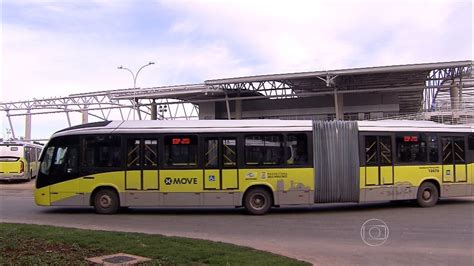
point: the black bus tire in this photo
(106, 201)
(427, 195)
(258, 201)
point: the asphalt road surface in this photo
(323, 234)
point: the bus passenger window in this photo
(180, 150)
(212, 159)
(133, 153)
(60, 154)
(297, 149)
(66, 161)
(470, 141)
(385, 146)
(102, 151)
(150, 153)
(411, 148)
(433, 154)
(27, 154)
(33, 154)
(229, 152)
(264, 150)
(459, 150)
(371, 154)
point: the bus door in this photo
(220, 164)
(454, 159)
(142, 164)
(378, 161)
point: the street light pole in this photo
(134, 76)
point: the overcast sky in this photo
(56, 48)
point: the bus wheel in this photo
(427, 195)
(258, 201)
(106, 201)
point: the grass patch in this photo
(37, 244)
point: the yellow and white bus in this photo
(256, 164)
(19, 160)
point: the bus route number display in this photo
(181, 141)
(410, 138)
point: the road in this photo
(324, 234)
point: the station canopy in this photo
(417, 85)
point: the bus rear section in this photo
(18, 161)
(12, 164)
(370, 161)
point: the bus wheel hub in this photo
(105, 201)
(258, 201)
(426, 195)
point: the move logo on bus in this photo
(181, 181)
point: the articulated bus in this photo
(256, 164)
(19, 160)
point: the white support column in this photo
(68, 119)
(227, 106)
(137, 104)
(238, 109)
(454, 95)
(85, 115)
(28, 125)
(154, 111)
(339, 105)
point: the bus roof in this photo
(19, 143)
(191, 126)
(261, 125)
(412, 126)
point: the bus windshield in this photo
(47, 160)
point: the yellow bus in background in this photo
(255, 164)
(19, 160)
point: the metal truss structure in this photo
(420, 88)
(439, 82)
(105, 105)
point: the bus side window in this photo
(66, 159)
(229, 152)
(212, 154)
(470, 141)
(433, 150)
(371, 153)
(27, 154)
(181, 150)
(33, 154)
(297, 149)
(264, 150)
(150, 153)
(411, 148)
(102, 151)
(133, 153)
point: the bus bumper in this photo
(13, 176)
(42, 197)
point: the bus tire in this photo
(427, 195)
(106, 201)
(258, 201)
